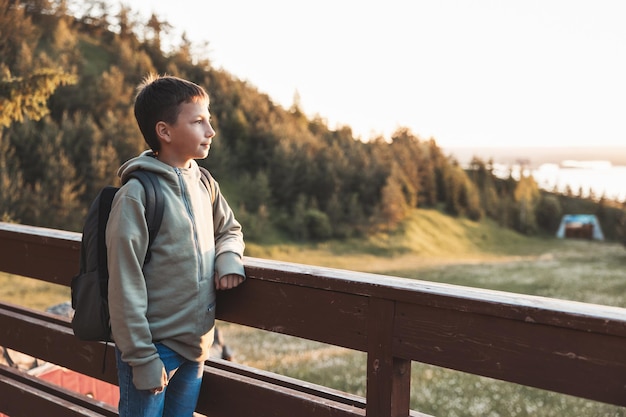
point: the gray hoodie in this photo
(171, 299)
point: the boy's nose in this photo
(210, 132)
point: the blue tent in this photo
(580, 222)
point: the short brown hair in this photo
(158, 99)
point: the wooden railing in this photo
(567, 347)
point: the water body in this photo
(599, 177)
(601, 171)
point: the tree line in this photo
(67, 82)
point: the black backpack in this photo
(89, 288)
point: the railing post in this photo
(401, 387)
(388, 378)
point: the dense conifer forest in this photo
(68, 74)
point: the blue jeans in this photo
(179, 397)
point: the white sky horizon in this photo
(480, 73)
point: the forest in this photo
(68, 75)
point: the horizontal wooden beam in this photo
(331, 317)
(35, 252)
(22, 395)
(226, 393)
(50, 338)
(557, 358)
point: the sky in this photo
(466, 73)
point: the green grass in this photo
(433, 247)
(577, 270)
(31, 293)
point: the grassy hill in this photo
(432, 246)
(425, 238)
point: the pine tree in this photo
(11, 183)
(27, 96)
(548, 213)
(527, 196)
(393, 204)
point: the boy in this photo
(163, 312)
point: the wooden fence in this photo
(567, 347)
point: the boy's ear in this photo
(162, 131)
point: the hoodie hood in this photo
(148, 161)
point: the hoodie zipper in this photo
(193, 222)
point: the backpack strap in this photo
(209, 182)
(155, 205)
(104, 207)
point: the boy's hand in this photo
(228, 282)
(160, 389)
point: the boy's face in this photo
(190, 137)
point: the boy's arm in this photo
(229, 244)
(127, 241)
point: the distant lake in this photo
(601, 177)
(601, 169)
